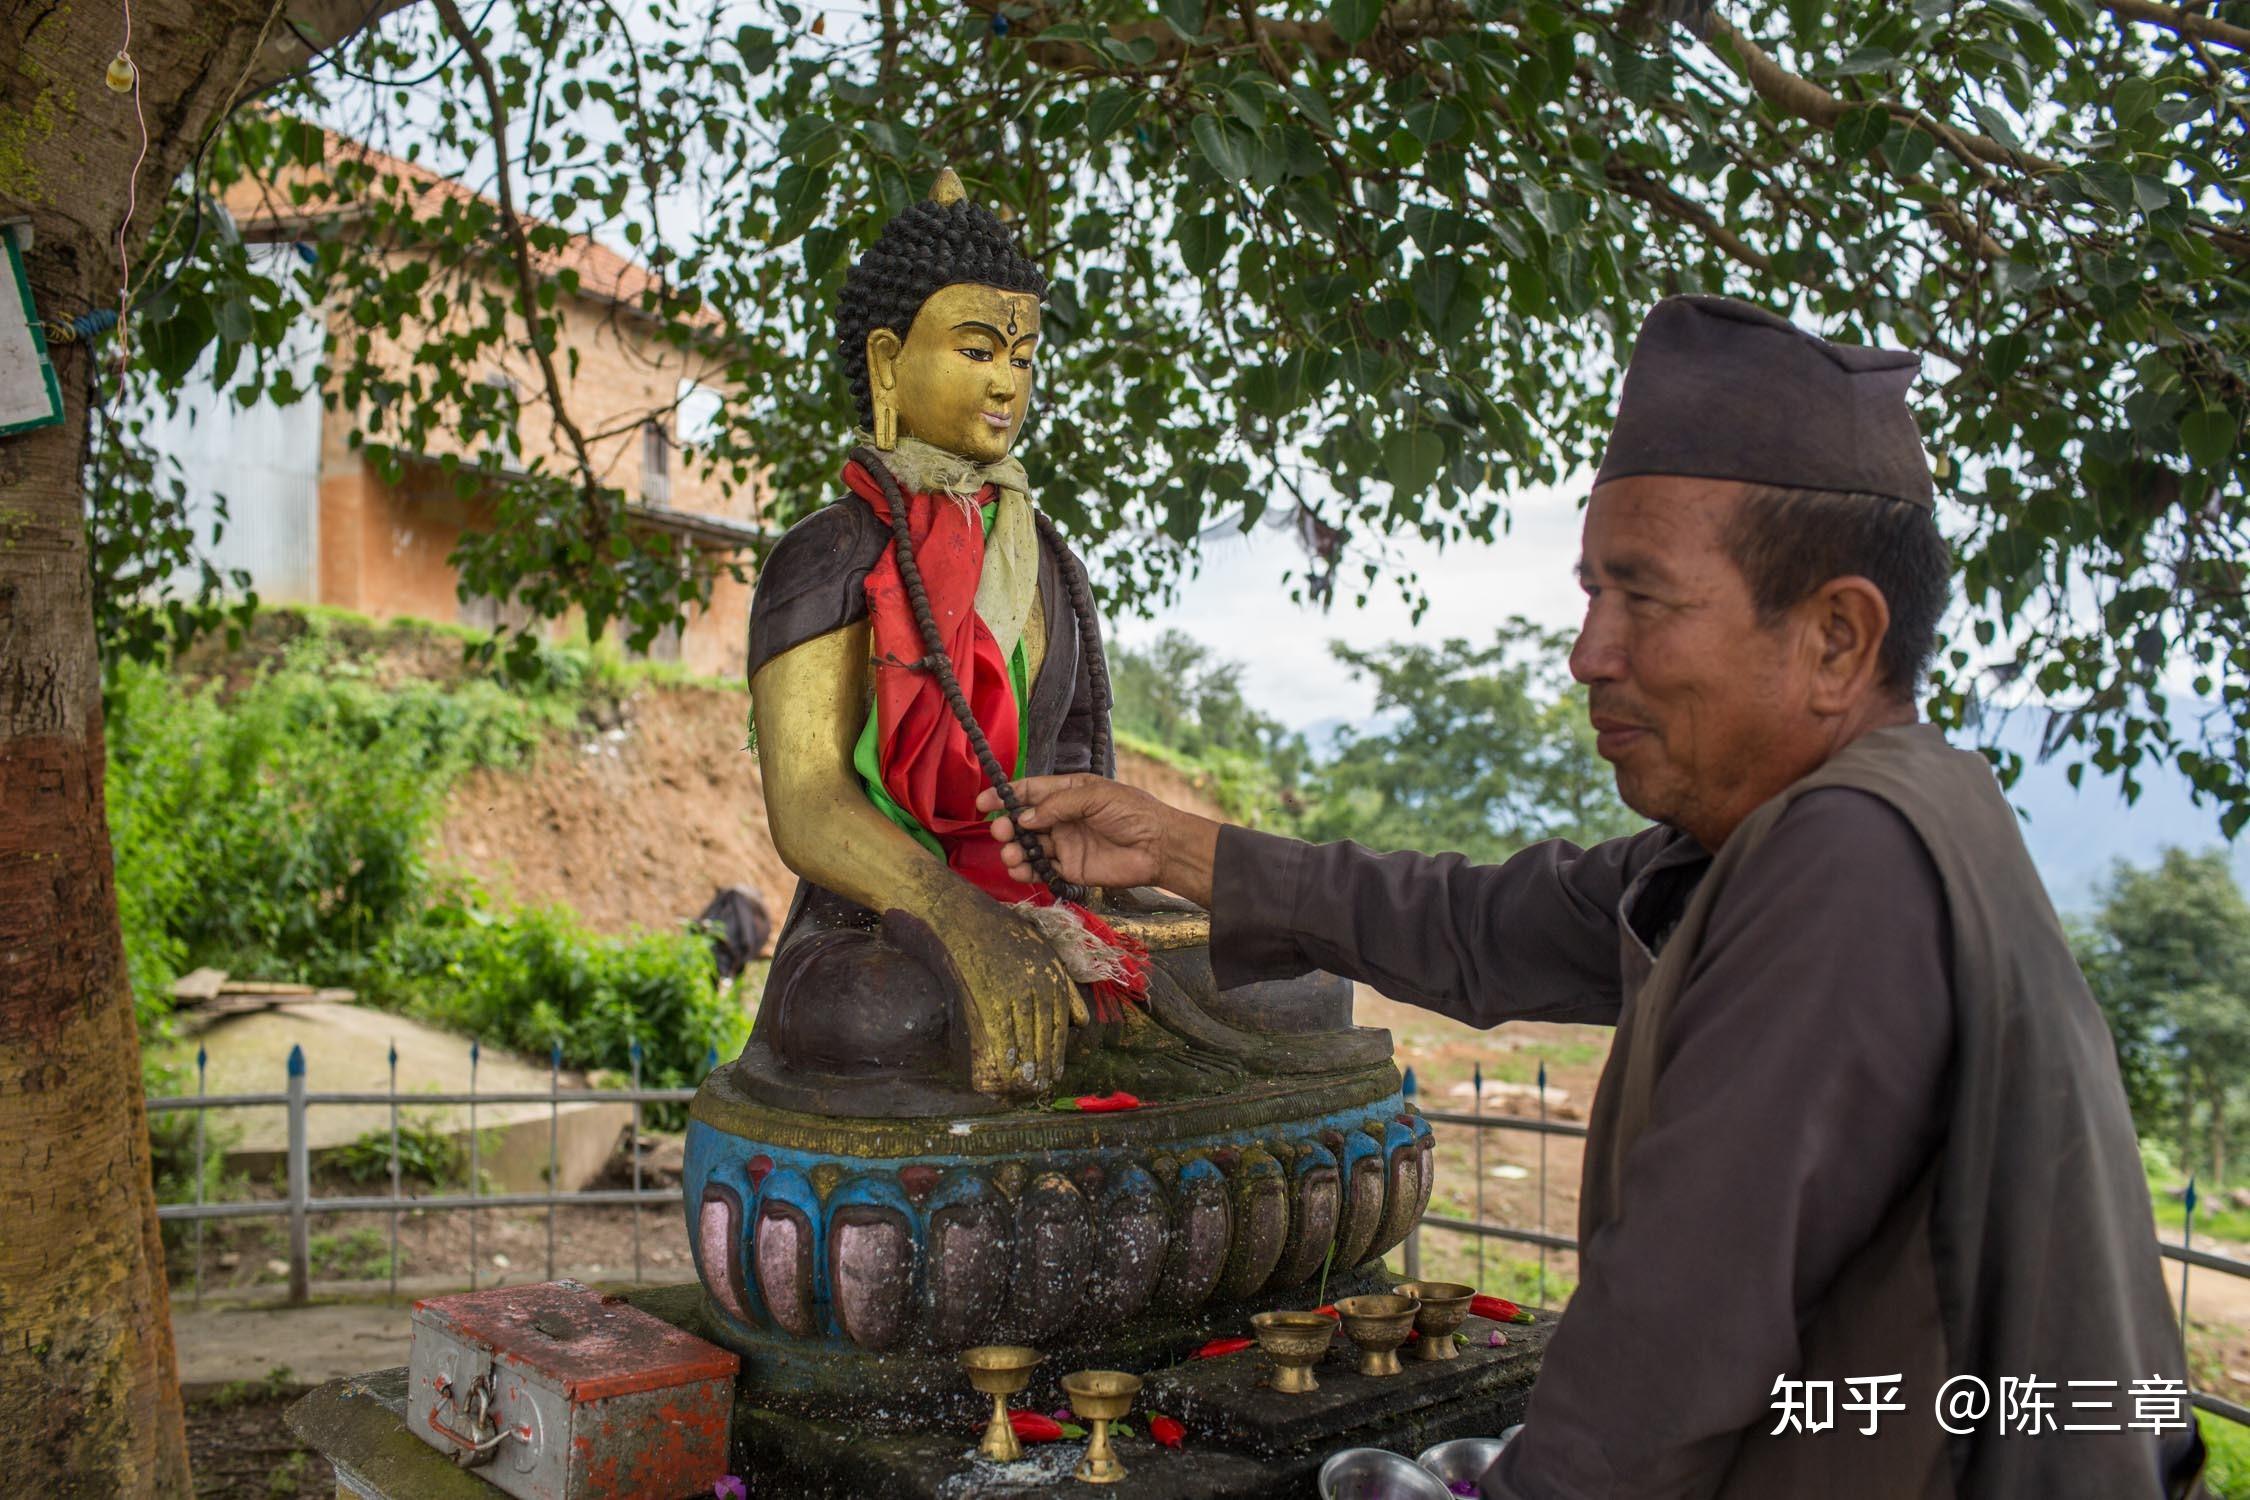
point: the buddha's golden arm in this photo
(810, 704)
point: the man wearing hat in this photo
(1860, 1150)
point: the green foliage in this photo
(2228, 1475)
(427, 1152)
(1181, 695)
(1380, 258)
(279, 829)
(528, 979)
(276, 1384)
(2168, 957)
(172, 1153)
(1179, 703)
(361, 1254)
(1487, 749)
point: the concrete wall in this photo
(262, 460)
(311, 523)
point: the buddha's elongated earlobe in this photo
(882, 382)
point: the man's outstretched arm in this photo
(1533, 938)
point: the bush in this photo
(280, 829)
(426, 1153)
(275, 825)
(528, 979)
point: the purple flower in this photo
(1463, 1486)
(731, 1488)
(1498, 1338)
(1062, 1414)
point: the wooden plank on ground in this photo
(202, 985)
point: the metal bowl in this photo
(1463, 1459)
(1376, 1474)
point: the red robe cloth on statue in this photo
(927, 763)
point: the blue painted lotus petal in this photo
(1360, 1165)
(1425, 1149)
(874, 1260)
(1402, 1186)
(1315, 1204)
(970, 1254)
(786, 1254)
(1054, 1251)
(1202, 1224)
(1130, 1228)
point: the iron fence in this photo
(298, 1204)
(1477, 1120)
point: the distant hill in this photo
(2074, 836)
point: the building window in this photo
(656, 463)
(504, 443)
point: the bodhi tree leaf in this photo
(1402, 257)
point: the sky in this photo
(1238, 604)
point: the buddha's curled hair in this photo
(929, 246)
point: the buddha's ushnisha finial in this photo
(947, 188)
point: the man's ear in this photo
(883, 346)
(1849, 617)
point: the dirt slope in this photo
(641, 823)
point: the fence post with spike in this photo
(300, 1185)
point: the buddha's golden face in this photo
(961, 379)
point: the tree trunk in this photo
(89, 1400)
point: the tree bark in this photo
(89, 1397)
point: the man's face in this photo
(964, 373)
(1701, 710)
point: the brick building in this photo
(310, 519)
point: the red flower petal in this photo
(1034, 1427)
(1102, 1104)
(1330, 1312)
(1498, 1309)
(1166, 1431)
(1218, 1347)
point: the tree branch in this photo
(331, 22)
(1402, 19)
(519, 243)
(2180, 21)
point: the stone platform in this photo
(1245, 1441)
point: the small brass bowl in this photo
(1378, 1324)
(1100, 1397)
(999, 1371)
(1444, 1305)
(1294, 1341)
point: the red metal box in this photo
(555, 1392)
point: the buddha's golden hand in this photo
(1012, 994)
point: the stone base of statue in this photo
(911, 1432)
(836, 1218)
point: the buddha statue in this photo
(895, 1157)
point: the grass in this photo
(2228, 1476)
(276, 1383)
(361, 1254)
(2219, 1224)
